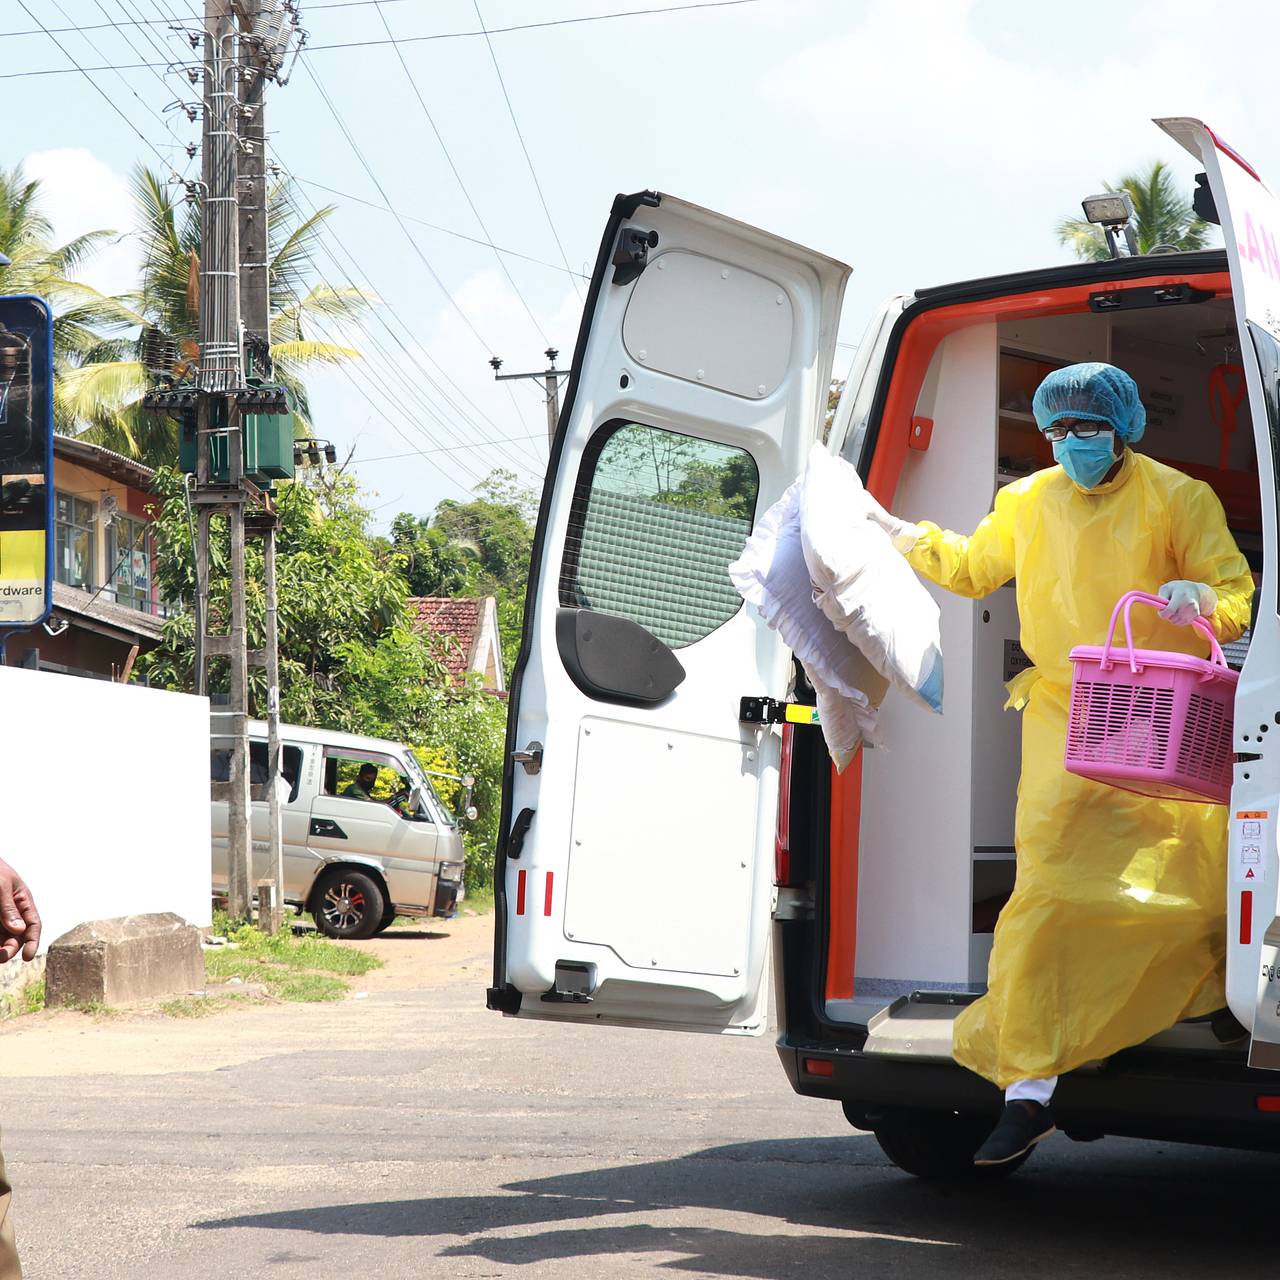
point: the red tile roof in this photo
(458, 620)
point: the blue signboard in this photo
(26, 461)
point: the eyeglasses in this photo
(1084, 430)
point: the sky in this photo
(920, 141)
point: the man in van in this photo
(1116, 926)
(366, 777)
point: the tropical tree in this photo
(1162, 216)
(103, 397)
(81, 315)
(350, 657)
(476, 548)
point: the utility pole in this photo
(218, 431)
(230, 403)
(551, 380)
(255, 301)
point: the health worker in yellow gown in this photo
(1116, 926)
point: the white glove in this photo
(1187, 601)
(902, 533)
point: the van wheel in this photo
(939, 1145)
(388, 917)
(348, 904)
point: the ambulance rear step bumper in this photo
(1142, 1093)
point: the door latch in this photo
(530, 759)
(771, 711)
(632, 253)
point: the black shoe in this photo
(1020, 1128)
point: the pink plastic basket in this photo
(1156, 723)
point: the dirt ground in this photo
(143, 1041)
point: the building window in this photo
(74, 519)
(129, 558)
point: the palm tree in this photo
(1162, 216)
(104, 396)
(81, 315)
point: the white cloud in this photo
(919, 79)
(82, 194)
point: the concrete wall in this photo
(104, 798)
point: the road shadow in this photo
(412, 935)
(826, 1207)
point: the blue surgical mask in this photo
(1086, 461)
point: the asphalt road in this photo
(410, 1133)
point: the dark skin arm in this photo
(19, 919)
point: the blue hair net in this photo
(1097, 391)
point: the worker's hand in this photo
(902, 533)
(19, 919)
(1187, 601)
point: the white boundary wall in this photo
(104, 798)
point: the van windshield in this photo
(429, 794)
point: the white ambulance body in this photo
(668, 845)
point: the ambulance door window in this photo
(657, 519)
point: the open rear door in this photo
(634, 869)
(1250, 217)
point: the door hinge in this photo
(530, 759)
(771, 711)
(793, 904)
(632, 253)
(575, 983)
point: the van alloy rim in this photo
(344, 906)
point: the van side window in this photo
(658, 517)
(290, 766)
(368, 776)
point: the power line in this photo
(373, 177)
(533, 173)
(448, 231)
(462, 185)
(368, 44)
(368, 168)
(377, 313)
(171, 20)
(102, 93)
(392, 457)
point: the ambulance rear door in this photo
(634, 867)
(1250, 218)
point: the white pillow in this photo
(862, 585)
(771, 574)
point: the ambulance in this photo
(671, 839)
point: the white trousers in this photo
(1032, 1090)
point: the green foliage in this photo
(1162, 215)
(349, 658)
(476, 548)
(305, 951)
(27, 999)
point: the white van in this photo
(366, 837)
(656, 814)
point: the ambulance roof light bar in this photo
(1113, 210)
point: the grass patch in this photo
(479, 900)
(93, 1008)
(298, 969)
(310, 988)
(30, 999)
(192, 1006)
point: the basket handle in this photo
(1126, 603)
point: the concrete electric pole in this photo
(258, 61)
(218, 432)
(550, 377)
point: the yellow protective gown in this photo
(1116, 926)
